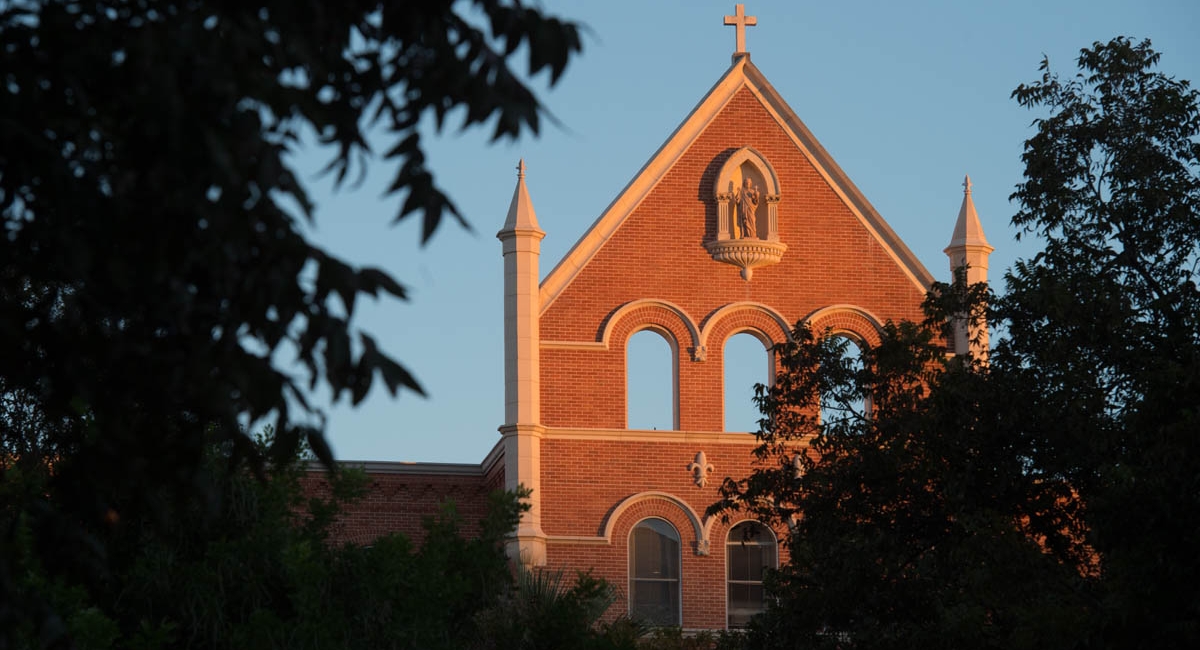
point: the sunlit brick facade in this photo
(666, 256)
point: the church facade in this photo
(740, 223)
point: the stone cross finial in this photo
(741, 21)
(520, 168)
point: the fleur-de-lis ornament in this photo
(701, 468)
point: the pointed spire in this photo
(968, 231)
(970, 249)
(521, 215)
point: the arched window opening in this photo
(749, 550)
(845, 404)
(651, 386)
(654, 558)
(746, 363)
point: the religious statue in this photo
(746, 199)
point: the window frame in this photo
(770, 373)
(673, 346)
(678, 579)
(769, 540)
(859, 345)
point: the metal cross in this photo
(741, 21)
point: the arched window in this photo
(650, 382)
(749, 549)
(654, 573)
(846, 404)
(746, 363)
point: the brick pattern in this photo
(703, 577)
(658, 253)
(847, 322)
(398, 503)
(584, 481)
(493, 479)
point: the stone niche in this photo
(747, 195)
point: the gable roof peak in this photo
(742, 75)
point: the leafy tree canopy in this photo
(266, 571)
(1047, 497)
(156, 290)
(1104, 343)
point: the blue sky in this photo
(906, 96)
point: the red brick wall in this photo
(583, 482)
(658, 253)
(702, 576)
(493, 478)
(397, 503)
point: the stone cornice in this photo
(636, 435)
(406, 468)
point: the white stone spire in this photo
(522, 429)
(967, 230)
(970, 248)
(521, 215)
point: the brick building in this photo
(740, 223)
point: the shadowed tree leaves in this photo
(1048, 498)
(1104, 324)
(156, 289)
(912, 524)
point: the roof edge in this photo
(627, 200)
(742, 73)
(838, 179)
(409, 468)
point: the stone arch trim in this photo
(650, 313)
(744, 155)
(718, 531)
(847, 319)
(626, 334)
(768, 325)
(714, 525)
(672, 337)
(741, 75)
(763, 246)
(699, 529)
(727, 527)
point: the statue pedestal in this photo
(746, 254)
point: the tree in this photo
(913, 525)
(266, 571)
(1105, 326)
(544, 611)
(1047, 498)
(155, 281)
(260, 576)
